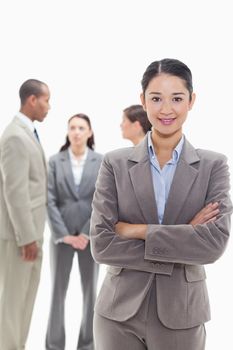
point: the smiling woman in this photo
(169, 101)
(161, 211)
(167, 97)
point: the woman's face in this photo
(167, 103)
(78, 132)
(126, 127)
(129, 129)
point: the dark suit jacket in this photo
(69, 212)
(174, 250)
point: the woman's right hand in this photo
(207, 214)
(77, 242)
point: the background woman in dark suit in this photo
(72, 176)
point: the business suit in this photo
(23, 196)
(69, 213)
(171, 258)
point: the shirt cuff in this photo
(86, 236)
(59, 240)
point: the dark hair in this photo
(136, 113)
(168, 66)
(90, 141)
(30, 87)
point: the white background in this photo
(92, 54)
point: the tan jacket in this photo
(174, 252)
(23, 185)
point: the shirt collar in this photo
(175, 154)
(27, 121)
(72, 156)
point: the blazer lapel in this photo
(28, 132)
(32, 137)
(144, 191)
(182, 182)
(87, 170)
(69, 178)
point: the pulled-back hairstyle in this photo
(90, 141)
(30, 87)
(168, 66)
(136, 113)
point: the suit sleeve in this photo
(202, 244)
(56, 222)
(15, 169)
(86, 228)
(107, 247)
(164, 243)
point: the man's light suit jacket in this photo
(23, 185)
(173, 251)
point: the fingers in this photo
(211, 206)
(29, 252)
(210, 211)
(207, 214)
(79, 246)
(212, 219)
(80, 242)
(77, 242)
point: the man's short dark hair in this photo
(30, 87)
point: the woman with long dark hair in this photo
(72, 176)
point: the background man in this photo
(23, 189)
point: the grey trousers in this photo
(145, 331)
(61, 264)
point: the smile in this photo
(167, 121)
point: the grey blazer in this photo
(23, 185)
(173, 251)
(69, 212)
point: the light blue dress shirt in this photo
(162, 178)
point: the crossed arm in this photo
(138, 231)
(129, 231)
(199, 241)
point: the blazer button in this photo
(157, 264)
(159, 251)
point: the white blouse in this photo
(77, 166)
